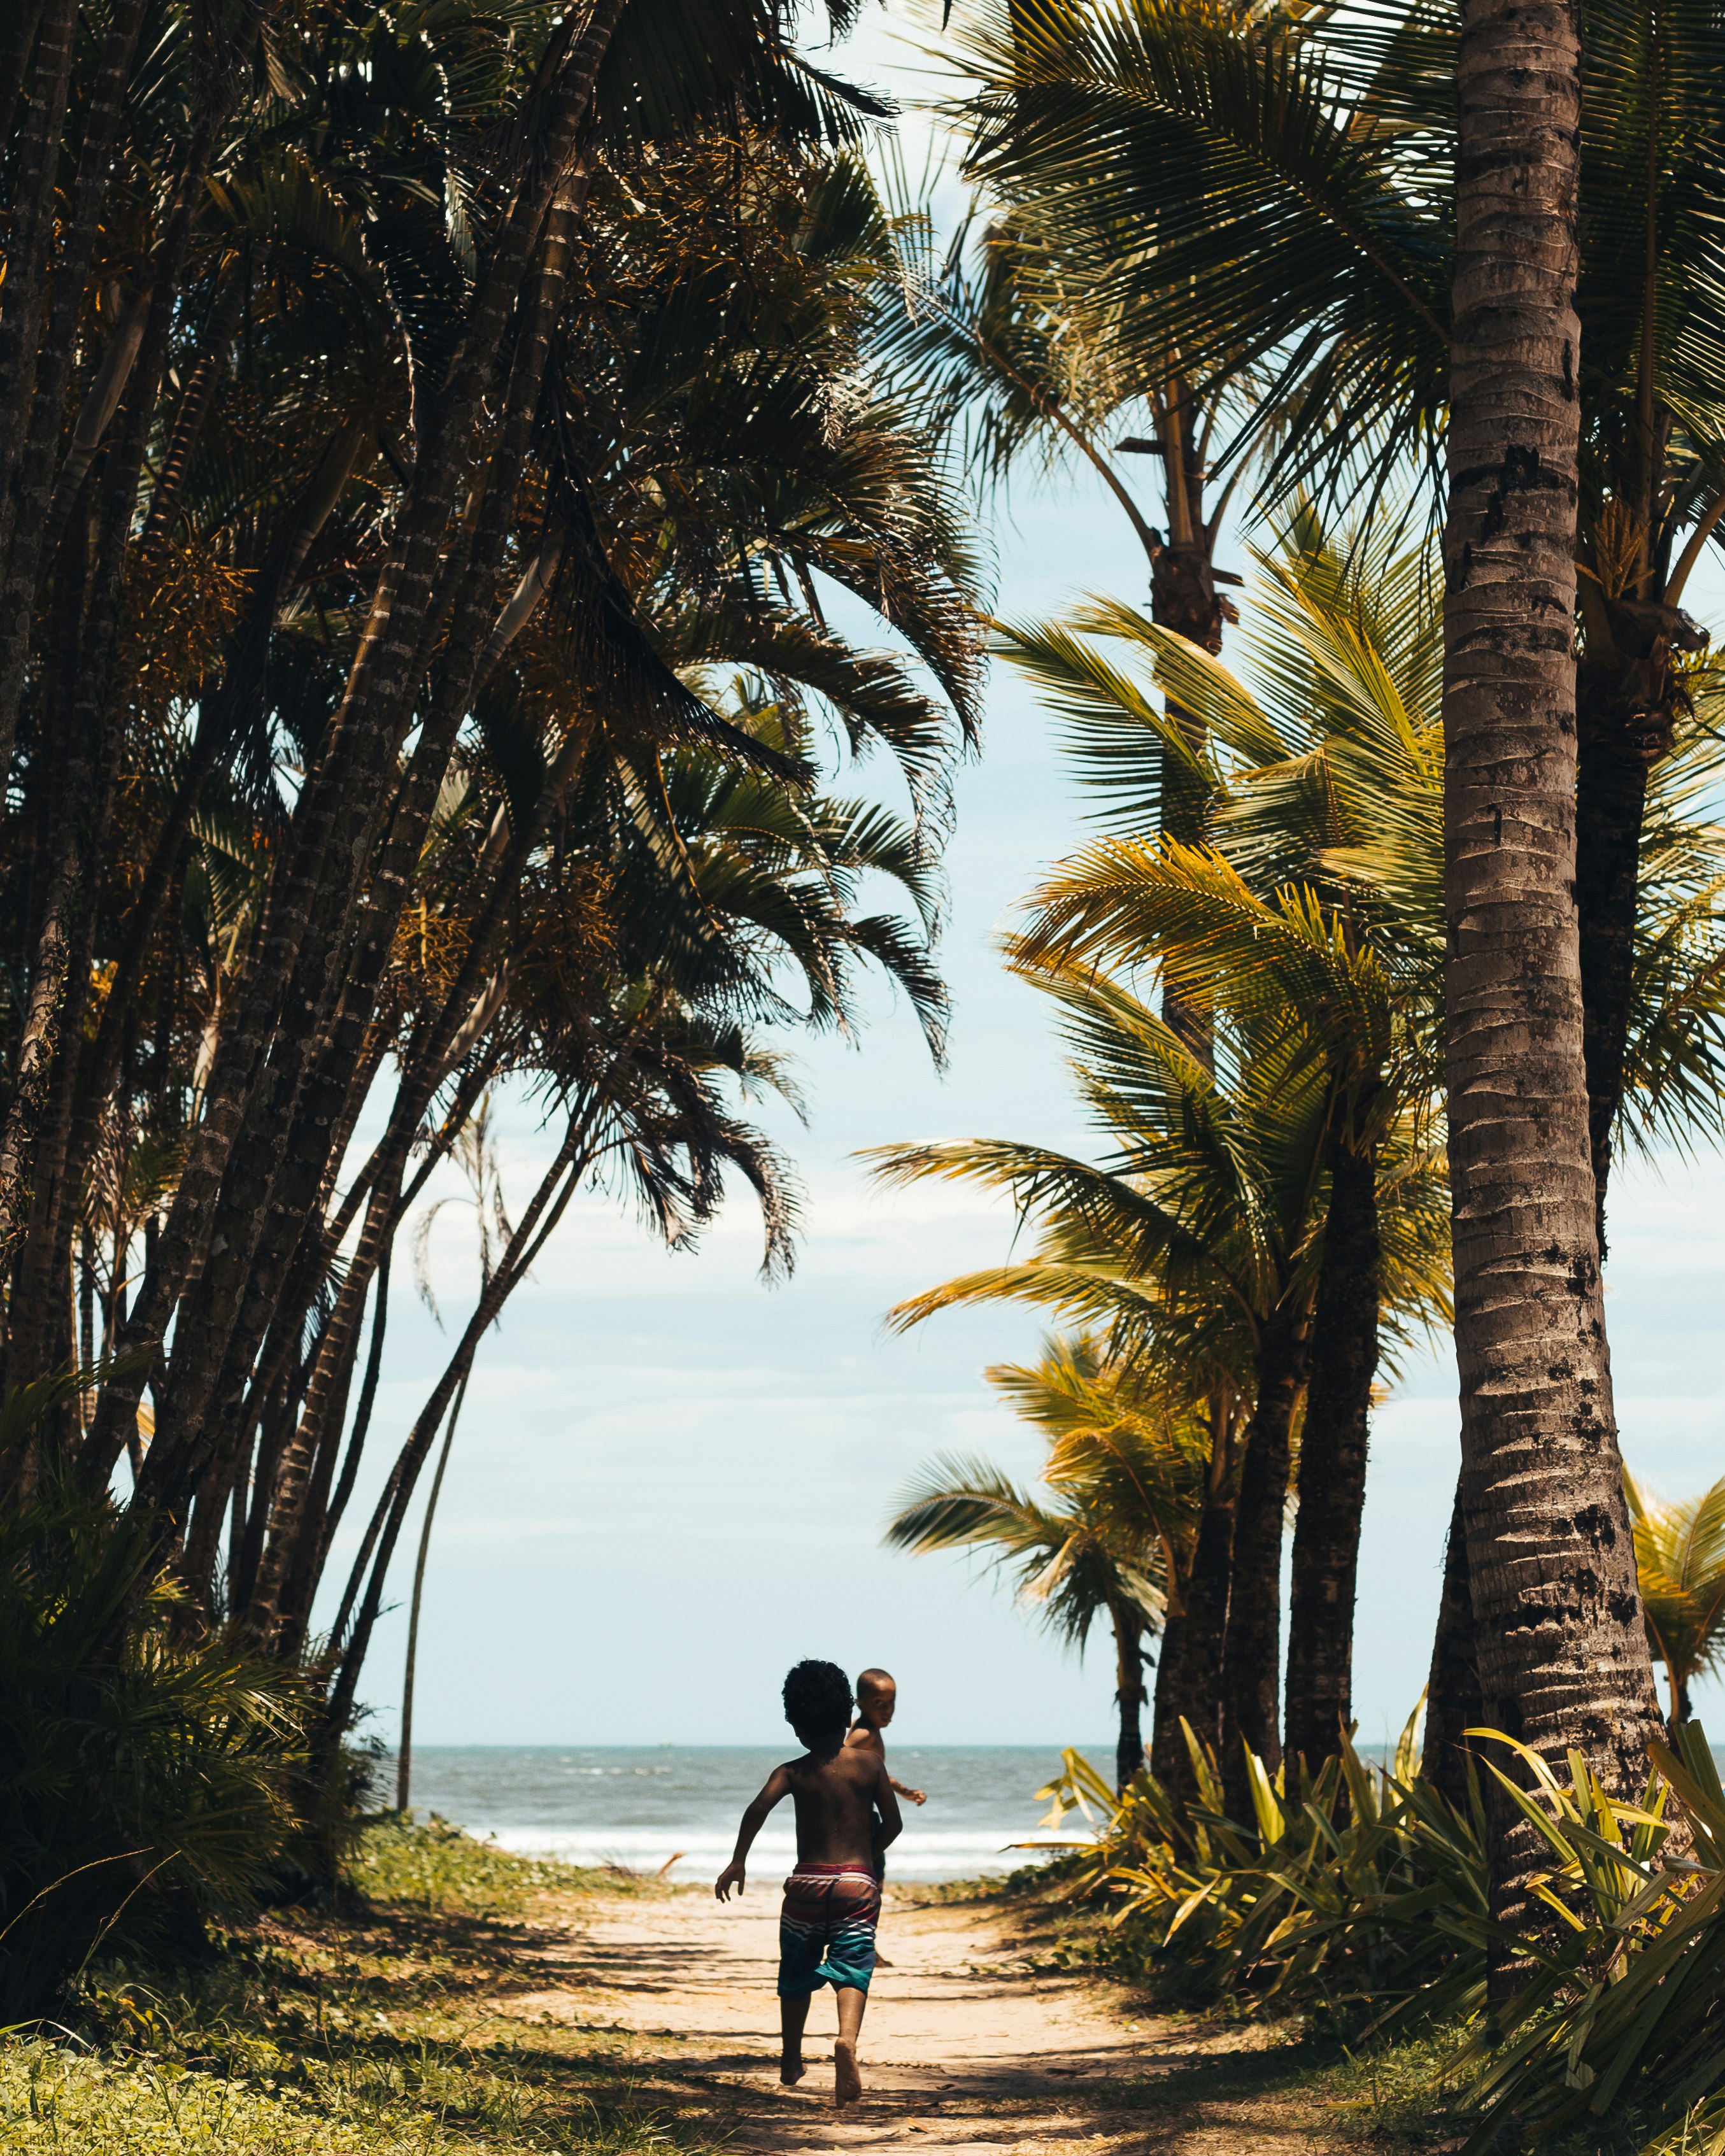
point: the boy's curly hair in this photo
(818, 1700)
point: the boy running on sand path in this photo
(826, 1932)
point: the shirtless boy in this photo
(826, 1930)
(876, 1703)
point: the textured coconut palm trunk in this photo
(1628, 693)
(1129, 1692)
(1251, 1671)
(1188, 1676)
(1611, 797)
(1332, 1462)
(1183, 597)
(1453, 1705)
(1561, 1647)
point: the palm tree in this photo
(1200, 1241)
(1327, 774)
(1001, 351)
(1680, 1561)
(1559, 1642)
(388, 494)
(563, 826)
(1252, 184)
(475, 1155)
(1124, 1471)
(721, 887)
(1294, 776)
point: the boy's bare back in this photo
(836, 1798)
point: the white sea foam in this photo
(926, 1855)
(641, 1805)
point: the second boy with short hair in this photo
(876, 1703)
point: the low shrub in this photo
(1358, 1892)
(1629, 2000)
(433, 1866)
(151, 1773)
(1361, 1897)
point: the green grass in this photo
(51, 2099)
(1025, 1884)
(436, 1866)
(374, 2033)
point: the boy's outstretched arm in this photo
(777, 1785)
(915, 1796)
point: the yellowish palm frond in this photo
(1680, 1561)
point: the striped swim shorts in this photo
(826, 1930)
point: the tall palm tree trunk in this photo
(1332, 1461)
(1628, 692)
(1182, 597)
(1128, 1690)
(404, 1751)
(1251, 1674)
(1562, 1649)
(1452, 1690)
(1188, 1674)
(1611, 796)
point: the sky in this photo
(670, 1479)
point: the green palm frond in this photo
(1212, 180)
(1120, 1500)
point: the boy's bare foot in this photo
(881, 1962)
(791, 2070)
(847, 2082)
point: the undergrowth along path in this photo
(471, 2002)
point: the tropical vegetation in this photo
(1264, 1231)
(353, 2033)
(476, 481)
(1258, 1857)
(426, 436)
(1680, 1559)
(1125, 1468)
(1308, 223)
(1360, 1897)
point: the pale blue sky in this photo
(670, 1480)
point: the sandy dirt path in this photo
(967, 2045)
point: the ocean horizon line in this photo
(761, 1744)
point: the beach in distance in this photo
(639, 1805)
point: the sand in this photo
(970, 2043)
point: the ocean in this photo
(640, 1806)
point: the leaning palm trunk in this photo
(364, 1598)
(1332, 1462)
(1562, 1649)
(404, 1750)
